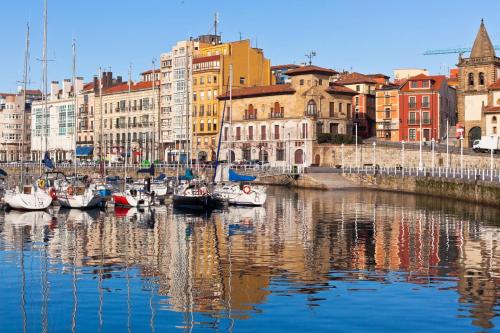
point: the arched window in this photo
(251, 112)
(311, 107)
(471, 79)
(494, 120)
(277, 110)
(481, 79)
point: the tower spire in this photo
(483, 47)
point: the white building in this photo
(56, 133)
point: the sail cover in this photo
(234, 177)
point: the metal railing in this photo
(489, 175)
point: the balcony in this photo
(251, 116)
(276, 115)
(412, 105)
(310, 113)
(413, 122)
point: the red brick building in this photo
(428, 99)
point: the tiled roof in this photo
(336, 88)
(437, 79)
(378, 76)
(6, 94)
(33, 92)
(88, 86)
(492, 109)
(206, 59)
(495, 86)
(311, 70)
(143, 85)
(287, 66)
(353, 78)
(157, 70)
(278, 89)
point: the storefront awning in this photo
(84, 151)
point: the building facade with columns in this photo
(279, 124)
(476, 74)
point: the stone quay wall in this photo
(389, 156)
(475, 191)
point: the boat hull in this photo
(194, 202)
(125, 200)
(28, 202)
(80, 201)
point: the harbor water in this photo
(308, 261)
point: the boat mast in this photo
(44, 85)
(101, 125)
(189, 162)
(25, 85)
(126, 139)
(75, 113)
(230, 151)
(153, 111)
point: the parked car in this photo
(487, 144)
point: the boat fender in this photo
(41, 183)
(53, 193)
(246, 189)
(70, 190)
(202, 191)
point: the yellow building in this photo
(210, 78)
(387, 113)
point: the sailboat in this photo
(239, 191)
(30, 196)
(131, 197)
(77, 194)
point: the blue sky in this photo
(364, 36)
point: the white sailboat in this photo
(131, 197)
(78, 195)
(30, 197)
(230, 187)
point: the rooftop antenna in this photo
(216, 21)
(240, 35)
(310, 56)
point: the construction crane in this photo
(461, 50)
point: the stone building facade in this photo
(279, 124)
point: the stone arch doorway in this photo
(317, 159)
(299, 156)
(231, 156)
(474, 134)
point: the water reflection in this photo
(133, 270)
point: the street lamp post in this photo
(374, 153)
(420, 161)
(289, 157)
(356, 140)
(342, 156)
(447, 142)
(402, 154)
(491, 157)
(461, 156)
(433, 143)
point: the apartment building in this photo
(387, 112)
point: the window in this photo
(280, 154)
(387, 113)
(202, 80)
(202, 126)
(356, 101)
(209, 125)
(414, 84)
(238, 133)
(194, 81)
(251, 113)
(226, 129)
(242, 80)
(301, 82)
(311, 108)
(194, 96)
(471, 79)
(481, 79)
(426, 119)
(494, 130)
(412, 134)
(332, 109)
(425, 101)
(341, 108)
(304, 131)
(215, 79)
(494, 120)
(358, 88)
(412, 102)
(413, 118)
(276, 132)
(263, 132)
(348, 108)
(427, 134)
(425, 84)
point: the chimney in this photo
(79, 84)
(104, 80)
(66, 87)
(109, 79)
(96, 85)
(54, 90)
